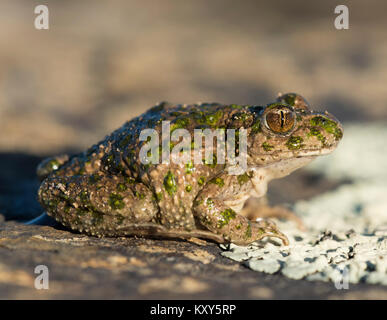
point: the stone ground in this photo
(63, 89)
(88, 268)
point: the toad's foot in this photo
(270, 229)
(49, 165)
(254, 212)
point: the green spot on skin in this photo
(189, 168)
(218, 181)
(329, 125)
(121, 187)
(267, 147)
(183, 122)
(238, 226)
(116, 201)
(139, 195)
(214, 162)
(294, 143)
(159, 196)
(130, 180)
(180, 124)
(213, 119)
(317, 133)
(170, 183)
(188, 188)
(198, 116)
(246, 116)
(243, 178)
(201, 181)
(171, 145)
(227, 215)
(210, 202)
(256, 127)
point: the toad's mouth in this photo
(302, 153)
(313, 152)
(306, 154)
(283, 163)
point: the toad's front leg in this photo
(210, 209)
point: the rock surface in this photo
(81, 267)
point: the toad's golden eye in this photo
(280, 119)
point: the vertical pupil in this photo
(282, 118)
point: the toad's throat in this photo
(279, 169)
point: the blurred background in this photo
(103, 62)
